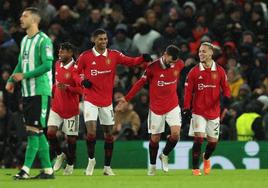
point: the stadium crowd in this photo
(238, 28)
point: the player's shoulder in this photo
(86, 53)
(43, 36)
(180, 63)
(219, 67)
(114, 52)
(153, 63)
(195, 69)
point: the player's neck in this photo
(32, 31)
(207, 64)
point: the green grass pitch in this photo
(138, 178)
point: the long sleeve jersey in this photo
(162, 86)
(203, 88)
(100, 70)
(35, 62)
(66, 102)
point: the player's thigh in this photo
(35, 110)
(90, 112)
(213, 129)
(54, 119)
(156, 123)
(197, 126)
(173, 118)
(71, 126)
(106, 115)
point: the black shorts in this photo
(35, 110)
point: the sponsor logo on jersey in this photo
(163, 83)
(108, 61)
(162, 75)
(96, 72)
(176, 73)
(67, 75)
(93, 63)
(203, 86)
(200, 77)
(214, 76)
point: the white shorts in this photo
(156, 123)
(203, 125)
(70, 126)
(105, 114)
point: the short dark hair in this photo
(173, 51)
(67, 46)
(98, 32)
(34, 10)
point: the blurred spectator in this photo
(127, 123)
(189, 10)
(48, 11)
(170, 36)
(92, 22)
(249, 126)
(197, 32)
(234, 23)
(114, 18)
(121, 42)
(134, 9)
(8, 48)
(235, 81)
(82, 8)
(152, 19)
(144, 38)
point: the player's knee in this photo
(91, 137)
(198, 140)
(175, 136)
(109, 138)
(51, 133)
(155, 138)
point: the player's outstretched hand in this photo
(61, 86)
(147, 57)
(121, 104)
(86, 83)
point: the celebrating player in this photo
(203, 86)
(65, 108)
(162, 75)
(98, 66)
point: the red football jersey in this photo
(162, 86)
(66, 102)
(100, 69)
(203, 88)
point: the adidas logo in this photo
(93, 63)
(161, 76)
(200, 77)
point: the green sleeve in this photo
(16, 70)
(46, 52)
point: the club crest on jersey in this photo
(25, 55)
(108, 61)
(176, 73)
(214, 76)
(67, 75)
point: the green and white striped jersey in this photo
(35, 62)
